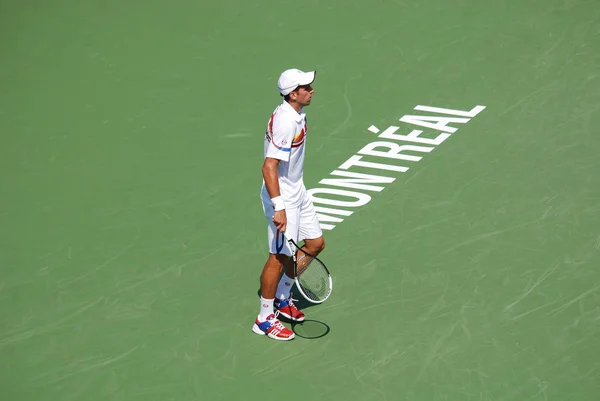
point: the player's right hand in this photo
(280, 220)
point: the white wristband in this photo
(278, 203)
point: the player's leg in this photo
(279, 254)
(283, 301)
(310, 232)
(310, 229)
(271, 274)
(314, 246)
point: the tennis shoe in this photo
(273, 328)
(287, 309)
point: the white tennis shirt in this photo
(284, 140)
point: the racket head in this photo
(314, 293)
(311, 276)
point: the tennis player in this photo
(286, 204)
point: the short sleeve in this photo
(282, 135)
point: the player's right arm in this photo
(282, 135)
(269, 171)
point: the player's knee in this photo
(279, 259)
(318, 245)
(283, 259)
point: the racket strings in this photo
(302, 263)
(314, 280)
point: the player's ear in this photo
(294, 94)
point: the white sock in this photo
(266, 309)
(284, 287)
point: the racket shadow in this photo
(311, 329)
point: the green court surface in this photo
(132, 235)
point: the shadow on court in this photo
(309, 329)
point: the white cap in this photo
(292, 78)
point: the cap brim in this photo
(308, 78)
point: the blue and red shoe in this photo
(273, 328)
(287, 309)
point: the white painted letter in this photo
(327, 227)
(361, 199)
(357, 181)
(355, 161)
(413, 136)
(440, 125)
(324, 218)
(476, 110)
(394, 150)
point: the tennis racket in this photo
(310, 274)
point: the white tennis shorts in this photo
(302, 223)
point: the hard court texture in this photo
(132, 235)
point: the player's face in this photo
(304, 94)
